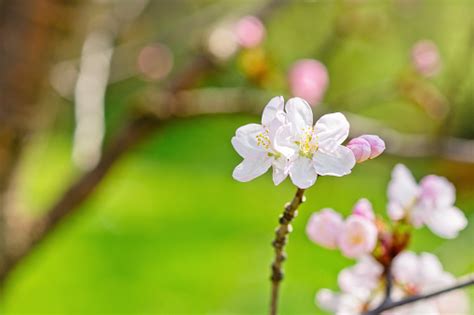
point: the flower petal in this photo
(332, 129)
(299, 114)
(245, 140)
(273, 110)
(339, 162)
(251, 168)
(446, 223)
(284, 142)
(302, 173)
(402, 188)
(437, 191)
(280, 170)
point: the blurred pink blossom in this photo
(308, 79)
(423, 273)
(431, 203)
(358, 237)
(324, 227)
(362, 278)
(425, 58)
(249, 31)
(363, 208)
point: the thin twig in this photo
(412, 299)
(281, 237)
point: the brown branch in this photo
(412, 299)
(281, 238)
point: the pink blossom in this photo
(250, 31)
(377, 145)
(431, 203)
(361, 149)
(366, 147)
(358, 237)
(309, 80)
(324, 227)
(363, 208)
(425, 58)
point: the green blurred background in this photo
(170, 231)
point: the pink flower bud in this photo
(425, 58)
(358, 237)
(361, 149)
(377, 145)
(250, 31)
(324, 227)
(363, 208)
(309, 80)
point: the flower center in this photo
(263, 140)
(308, 144)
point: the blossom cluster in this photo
(362, 287)
(289, 142)
(380, 247)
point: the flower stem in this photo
(281, 237)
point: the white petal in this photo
(430, 268)
(302, 173)
(284, 142)
(446, 222)
(437, 191)
(405, 267)
(280, 170)
(243, 149)
(299, 114)
(246, 140)
(327, 300)
(402, 188)
(332, 129)
(273, 110)
(251, 168)
(339, 162)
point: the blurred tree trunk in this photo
(28, 31)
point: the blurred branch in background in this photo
(28, 30)
(243, 101)
(141, 124)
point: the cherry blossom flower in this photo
(324, 227)
(359, 286)
(363, 207)
(313, 150)
(366, 147)
(358, 236)
(308, 79)
(256, 144)
(249, 31)
(431, 203)
(362, 278)
(420, 274)
(425, 58)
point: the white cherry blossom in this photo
(313, 149)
